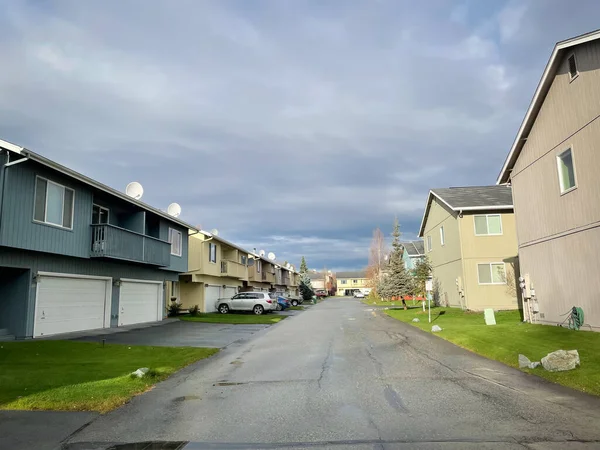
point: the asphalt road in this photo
(339, 375)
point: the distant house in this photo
(77, 255)
(470, 239)
(412, 252)
(350, 282)
(553, 168)
(322, 281)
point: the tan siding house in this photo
(553, 169)
(469, 235)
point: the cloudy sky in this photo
(293, 126)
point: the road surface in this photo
(342, 375)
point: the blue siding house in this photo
(78, 255)
(413, 251)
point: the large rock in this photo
(436, 328)
(524, 361)
(561, 360)
(416, 319)
(141, 372)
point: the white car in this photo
(359, 294)
(257, 302)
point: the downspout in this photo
(462, 260)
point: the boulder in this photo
(416, 319)
(533, 365)
(524, 361)
(436, 328)
(561, 360)
(141, 372)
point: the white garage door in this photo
(140, 302)
(229, 291)
(211, 295)
(69, 303)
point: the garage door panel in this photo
(65, 305)
(211, 295)
(229, 291)
(139, 302)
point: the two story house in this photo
(470, 239)
(413, 251)
(351, 281)
(76, 254)
(553, 168)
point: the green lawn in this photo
(297, 308)
(504, 341)
(240, 318)
(82, 376)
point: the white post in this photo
(429, 300)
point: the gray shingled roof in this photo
(475, 196)
(414, 248)
(351, 274)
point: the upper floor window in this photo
(573, 72)
(99, 214)
(428, 243)
(491, 273)
(355, 281)
(212, 252)
(258, 265)
(53, 203)
(442, 237)
(175, 239)
(343, 281)
(488, 225)
(243, 259)
(566, 171)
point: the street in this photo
(342, 375)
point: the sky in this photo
(292, 126)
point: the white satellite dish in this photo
(134, 190)
(287, 266)
(271, 256)
(261, 253)
(174, 210)
(214, 232)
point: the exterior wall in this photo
(446, 261)
(557, 232)
(410, 261)
(360, 283)
(489, 249)
(14, 298)
(192, 288)
(45, 262)
(318, 283)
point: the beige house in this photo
(352, 281)
(470, 238)
(553, 169)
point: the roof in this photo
(470, 198)
(539, 96)
(414, 248)
(90, 182)
(351, 274)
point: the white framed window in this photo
(53, 203)
(491, 273)
(212, 252)
(442, 236)
(566, 171)
(429, 243)
(343, 282)
(488, 224)
(572, 66)
(175, 239)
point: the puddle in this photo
(187, 397)
(227, 383)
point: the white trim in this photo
(107, 296)
(45, 221)
(485, 208)
(538, 97)
(491, 274)
(171, 231)
(488, 225)
(210, 261)
(133, 280)
(442, 236)
(560, 180)
(11, 147)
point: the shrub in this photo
(173, 309)
(194, 310)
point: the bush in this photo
(194, 310)
(173, 309)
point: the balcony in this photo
(268, 277)
(109, 241)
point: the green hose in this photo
(576, 318)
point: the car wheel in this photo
(278, 308)
(294, 302)
(258, 310)
(223, 309)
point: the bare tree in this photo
(377, 258)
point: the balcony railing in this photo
(234, 270)
(109, 241)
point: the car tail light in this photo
(269, 301)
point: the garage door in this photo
(229, 291)
(211, 295)
(69, 303)
(140, 302)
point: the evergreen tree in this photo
(306, 289)
(303, 266)
(421, 273)
(397, 282)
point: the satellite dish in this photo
(174, 210)
(292, 267)
(261, 253)
(287, 266)
(214, 231)
(271, 256)
(134, 190)
(250, 262)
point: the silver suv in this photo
(257, 302)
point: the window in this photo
(566, 171)
(99, 214)
(355, 281)
(243, 259)
(492, 273)
(572, 67)
(488, 225)
(258, 265)
(343, 281)
(53, 203)
(442, 240)
(175, 241)
(428, 243)
(212, 252)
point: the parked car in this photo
(321, 293)
(282, 303)
(257, 302)
(359, 294)
(295, 301)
